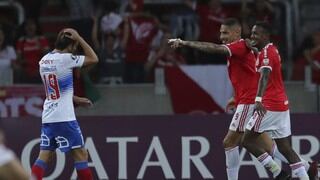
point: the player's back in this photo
(242, 72)
(56, 73)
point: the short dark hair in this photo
(231, 22)
(63, 41)
(266, 27)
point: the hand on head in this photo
(72, 34)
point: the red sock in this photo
(37, 171)
(85, 174)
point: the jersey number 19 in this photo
(51, 86)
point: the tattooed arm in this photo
(202, 46)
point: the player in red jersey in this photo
(271, 108)
(244, 79)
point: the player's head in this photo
(230, 30)
(64, 43)
(260, 34)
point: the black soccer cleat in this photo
(283, 176)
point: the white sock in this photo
(232, 163)
(299, 170)
(267, 161)
(276, 154)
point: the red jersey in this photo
(142, 32)
(32, 51)
(242, 72)
(274, 98)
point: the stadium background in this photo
(171, 128)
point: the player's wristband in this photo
(258, 99)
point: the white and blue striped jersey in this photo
(57, 77)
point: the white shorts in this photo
(241, 117)
(276, 124)
(6, 155)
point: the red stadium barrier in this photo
(156, 147)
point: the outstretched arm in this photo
(202, 46)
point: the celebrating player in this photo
(60, 128)
(271, 107)
(244, 79)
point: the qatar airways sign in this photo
(155, 147)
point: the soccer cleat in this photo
(313, 171)
(283, 176)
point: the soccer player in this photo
(10, 167)
(244, 79)
(271, 107)
(59, 125)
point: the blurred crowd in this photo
(130, 36)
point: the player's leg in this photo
(271, 147)
(251, 141)
(47, 150)
(232, 139)
(231, 147)
(80, 156)
(282, 136)
(39, 166)
(76, 146)
(296, 164)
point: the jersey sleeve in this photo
(268, 58)
(237, 48)
(73, 61)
